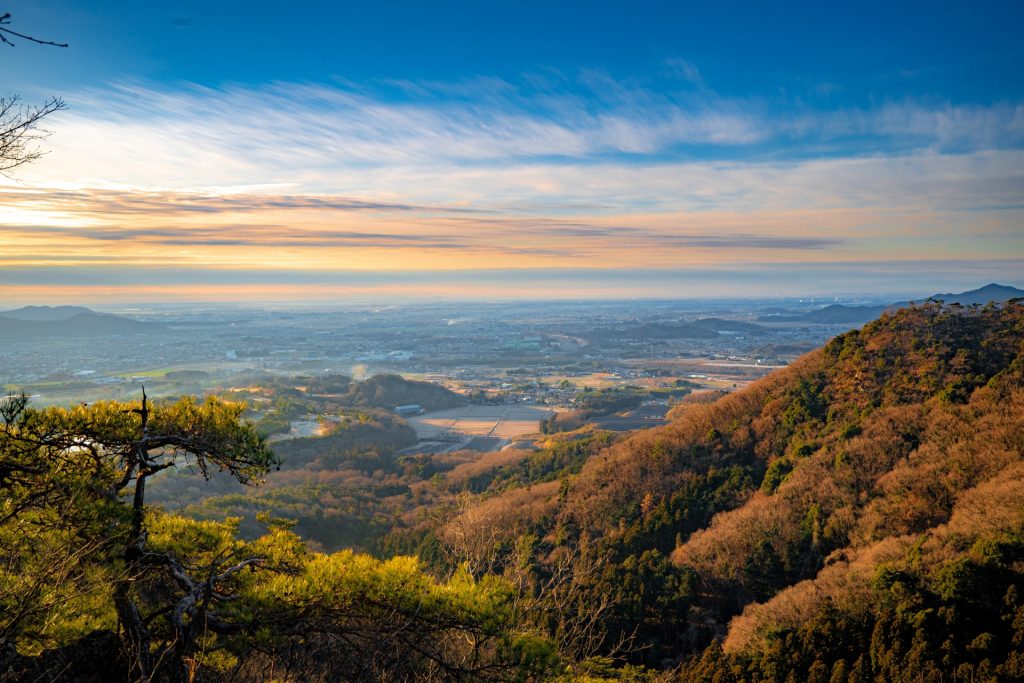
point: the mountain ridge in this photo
(838, 314)
(64, 320)
(46, 313)
(780, 502)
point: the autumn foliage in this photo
(870, 489)
(857, 516)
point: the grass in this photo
(159, 372)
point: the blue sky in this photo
(726, 141)
(828, 54)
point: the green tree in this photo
(82, 473)
(82, 557)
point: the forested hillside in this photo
(857, 516)
(388, 391)
(331, 394)
(873, 490)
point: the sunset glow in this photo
(670, 166)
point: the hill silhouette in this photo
(981, 296)
(62, 321)
(834, 314)
(840, 314)
(45, 313)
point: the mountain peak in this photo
(982, 295)
(56, 321)
(46, 313)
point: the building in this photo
(411, 409)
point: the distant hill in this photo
(839, 314)
(390, 391)
(46, 313)
(836, 314)
(705, 328)
(68, 321)
(983, 295)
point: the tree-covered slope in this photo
(859, 456)
(858, 516)
(894, 546)
(389, 391)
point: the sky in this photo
(340, 150)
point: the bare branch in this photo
(5, 20)
(20, 131)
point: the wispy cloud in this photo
(107, 201)
(552, 170)
(685, 70)
(541, 143)
(305, 132)
(483, 235)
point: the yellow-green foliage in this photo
(80, 557)
(51, 592)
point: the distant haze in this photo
(882, 284)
